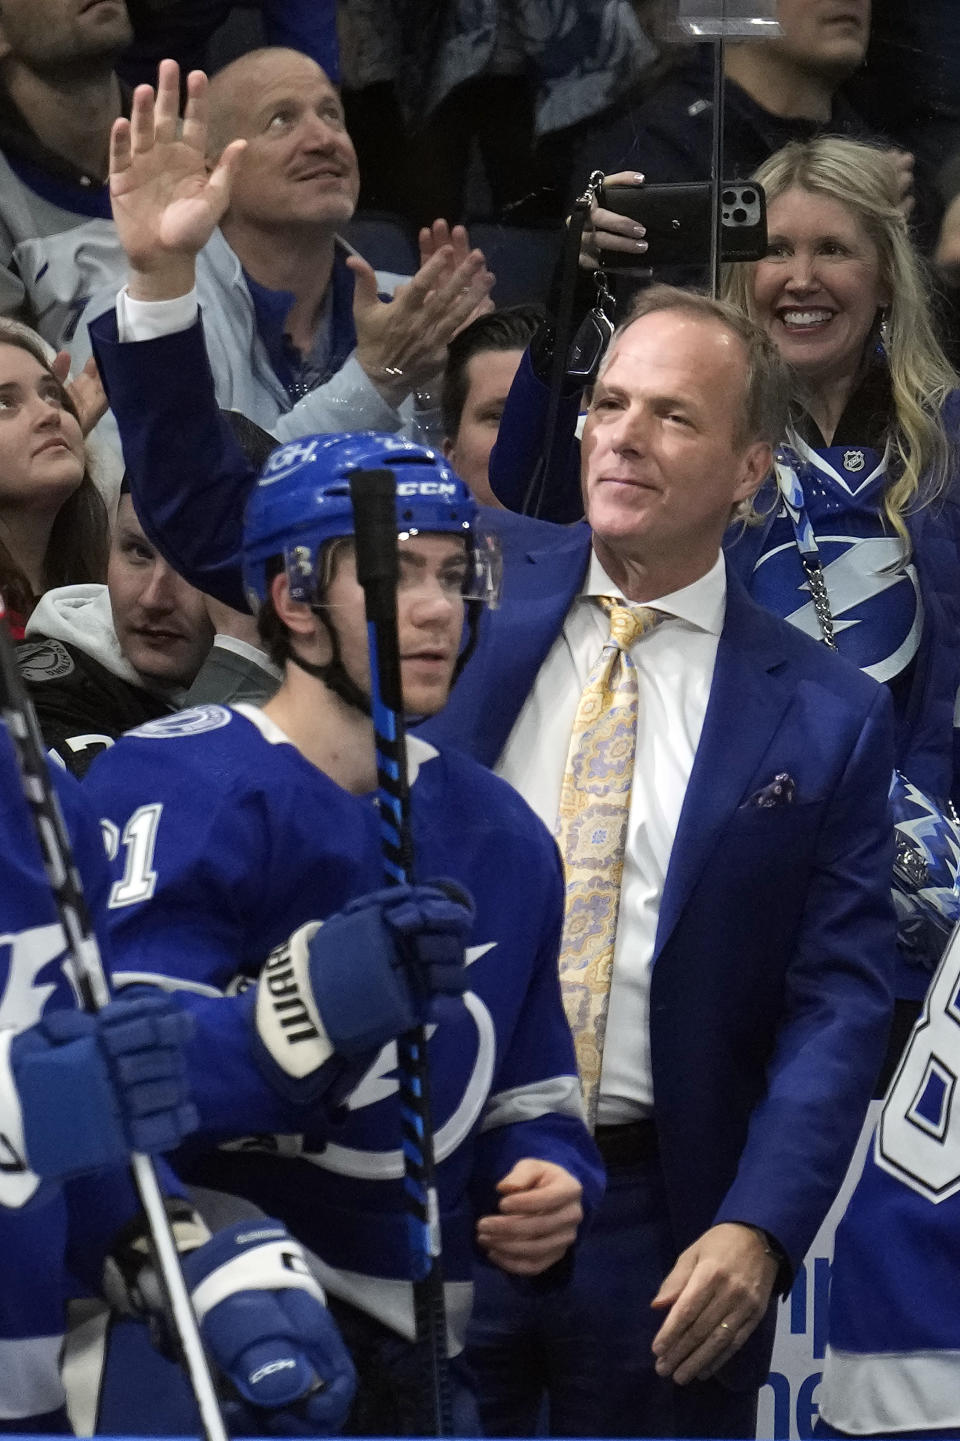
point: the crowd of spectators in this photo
(200, 242)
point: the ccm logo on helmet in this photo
(425, 487)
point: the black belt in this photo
(627, 1145)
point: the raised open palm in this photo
(166, 202)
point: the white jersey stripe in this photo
(895, 1391)
(30, 1376)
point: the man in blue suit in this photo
(748, 999)
(749, 993)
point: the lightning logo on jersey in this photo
(874, 597)
(31, 968)
(24, 957)
(468, 1070)
(470, 1067)
(875, 600)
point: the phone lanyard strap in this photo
(563, 331)
(787, 470)
(605, 304)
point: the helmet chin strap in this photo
(333, 674)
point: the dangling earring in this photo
(883, 328)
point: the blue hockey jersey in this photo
(893, 1358)
(227, 840)
(896, 615)
(874, 592)
(38, 1225)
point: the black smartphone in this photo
(677, 219)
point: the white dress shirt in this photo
(674, 673)
(151, 319)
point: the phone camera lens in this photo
(729, 197)
(739, 215)
(749, 197)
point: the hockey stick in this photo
(91, 986)
(374, 497)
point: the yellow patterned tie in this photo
(591, 832)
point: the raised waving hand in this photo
(167, 200)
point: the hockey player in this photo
(77, 1093)
(62, 1106)
(892, 1365)
(234, 828)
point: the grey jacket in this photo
(243, 375)
(52, 259)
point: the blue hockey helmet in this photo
(302, 501)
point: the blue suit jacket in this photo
(775, 943)
(770, 984)
(926, 745)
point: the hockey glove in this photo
(363, 977)
(93, 1088)
(263, 1319)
